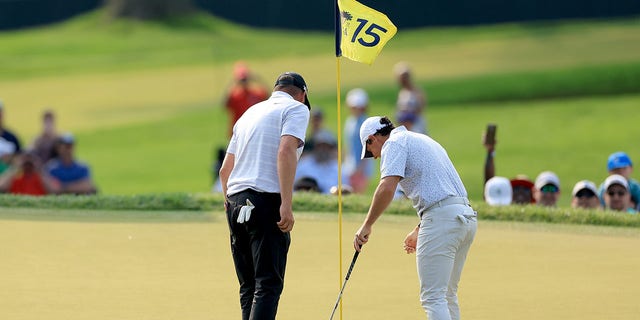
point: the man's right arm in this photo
(381, 200)
(489, 166)
(225, 172)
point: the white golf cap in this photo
(584, 184)
(368, 128)
(616, 179)
(545, 178)
(498, 192)
(357, 98)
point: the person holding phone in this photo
(522, 187)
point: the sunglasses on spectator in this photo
(585, 193)
(619, 193)
(549, 189)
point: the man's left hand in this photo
(411, 241)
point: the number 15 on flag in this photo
(363, 31)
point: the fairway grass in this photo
(123, 89)
(168, 268)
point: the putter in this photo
(353, 262)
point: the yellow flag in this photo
(363, 31)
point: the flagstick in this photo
(339, 177)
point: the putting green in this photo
(168, 268)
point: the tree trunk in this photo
(148, 9)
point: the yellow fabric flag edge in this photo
(363, 31)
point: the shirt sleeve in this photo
(393, 159)
(295, 122)
(232, 145)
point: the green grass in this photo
(144, 98)
(198, 207)
(93, 43)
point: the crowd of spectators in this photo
(618, 192)
(318, 166)
(47, 166)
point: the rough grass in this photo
(141, 207)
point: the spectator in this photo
(9, 143)
(547, 189)
(45, 144)
(316, 125)
(522, 190)
(217, 184)
(584, 195)
(27, 176)
(306, 184)
(246, 91)
(74, 176)
(358, 170)
(322, 163)
(617, 196)
(620, 163)
(406, 119)
(498, 192)
(410, 97)
(521, 186)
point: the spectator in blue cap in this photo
(620, 163)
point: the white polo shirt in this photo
(427, 174)
(256, 139)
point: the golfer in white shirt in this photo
(448, 224)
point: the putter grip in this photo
(353, 263)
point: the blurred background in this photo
(142, 85)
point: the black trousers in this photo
(259, 252)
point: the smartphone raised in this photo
(491, 134)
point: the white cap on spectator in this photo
(545, 178)
(357, 98)
(616, 179)
(584, 184)
(325, 136)
(498, 191)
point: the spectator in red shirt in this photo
(245, 92)
(26, 176)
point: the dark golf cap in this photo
(295, 79)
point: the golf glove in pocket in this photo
(245, 212)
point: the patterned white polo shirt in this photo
(256, 139)
(427, 174)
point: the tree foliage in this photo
(148, 9)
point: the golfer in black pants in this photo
(257, 177)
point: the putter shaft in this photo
(344, 284)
